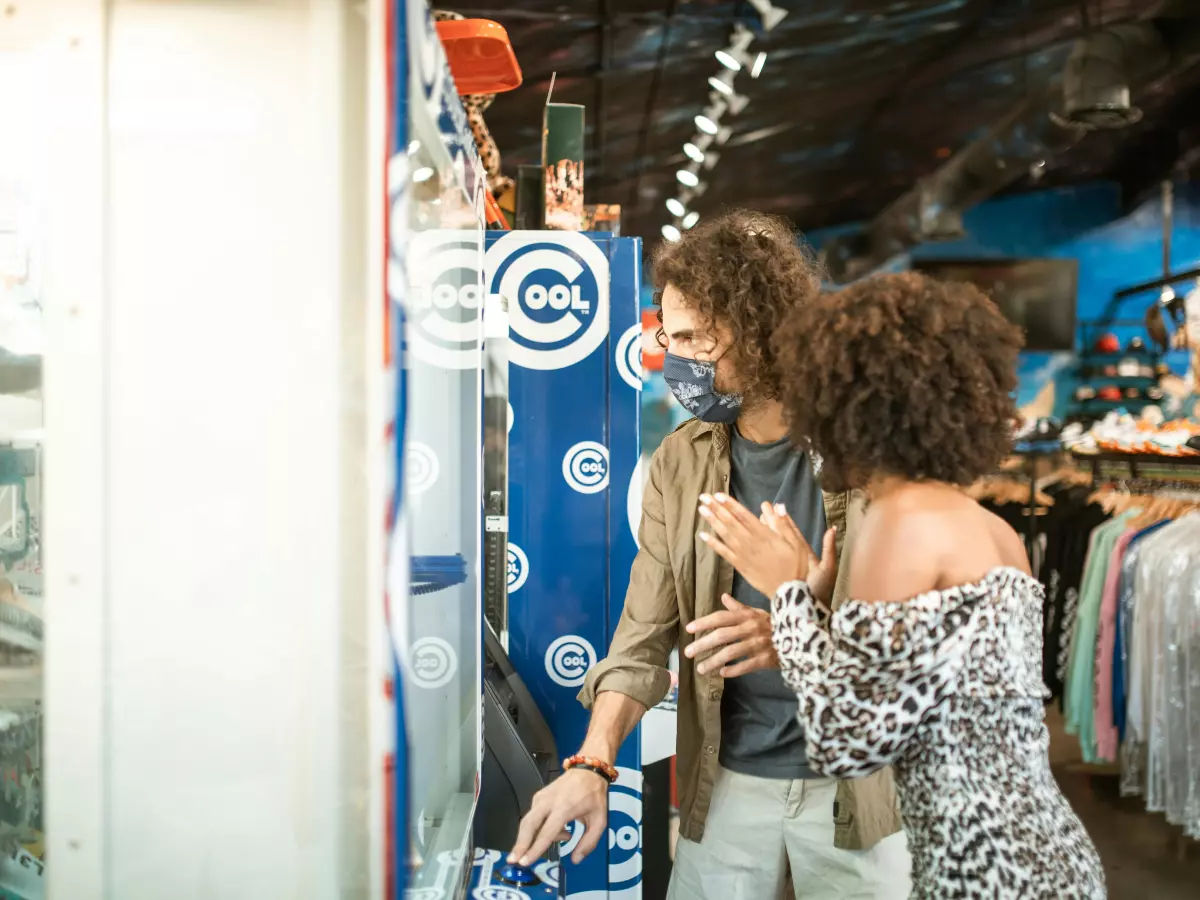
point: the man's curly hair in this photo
(900, 375)
(745, 270)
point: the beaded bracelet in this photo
(592, 764)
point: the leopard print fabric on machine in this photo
(475, 104)
(947, 689)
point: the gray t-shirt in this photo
(760, 734)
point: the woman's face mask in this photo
(691, 381)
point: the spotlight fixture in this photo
(687, 178)
(735, 103)
(723, 83)
(759, 62)
(770, 14)
(693, 152)
(707, 125)
(720, 85)
(422, 174)
(671, 233)
(736, 56)
(691, 219)
(675, 208)
(703, 141)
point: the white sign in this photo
(585, 467)
(568, 659)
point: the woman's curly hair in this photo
(745, 270)
(900, 375)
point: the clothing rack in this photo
(1030, 456)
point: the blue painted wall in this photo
(1085, 223)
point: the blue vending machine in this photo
(574, 494)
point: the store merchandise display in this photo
(1121, 432)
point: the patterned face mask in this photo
(691, 381)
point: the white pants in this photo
(763, 833)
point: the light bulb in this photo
(685, 177)
(671, 233)
(422, 174)
(770, 14)
(693, 152)
(707, 125)
(759, 62)
(676, 208)
(722, 86)
(725, 58)
(691, 219)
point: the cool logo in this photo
(557, 291)
(585, 467)
(422, 467)
(518, 568)
(624, 840)
(629, 357)
(433, 663)
(445, 298)
(568, 659)
(625, 834)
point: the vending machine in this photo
(574, 494)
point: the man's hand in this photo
(739, 638)
(576, 794)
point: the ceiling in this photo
(858, 98)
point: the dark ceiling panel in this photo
(858, 100)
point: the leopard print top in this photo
(947, 689)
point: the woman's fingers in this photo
(720, 548)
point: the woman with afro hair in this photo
(903, 387)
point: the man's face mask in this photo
(691, 381)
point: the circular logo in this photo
(421, 467)
(433, 663)
(518, 568)
(445, 298)
(629, 357)
(498, 892)
(633, 499)
(568, 659)
(625, 832)
(585, 467)
(548, 872)
(557, 292)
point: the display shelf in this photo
(1137, 462)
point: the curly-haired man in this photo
(753, 816)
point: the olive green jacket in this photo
(675, 579)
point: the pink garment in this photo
(1107, 739)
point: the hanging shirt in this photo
(1080, 684)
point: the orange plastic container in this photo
(480, 55)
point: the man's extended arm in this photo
(619, 690)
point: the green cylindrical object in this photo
(531, 198)
(563, 164)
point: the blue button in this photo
(517, 875)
